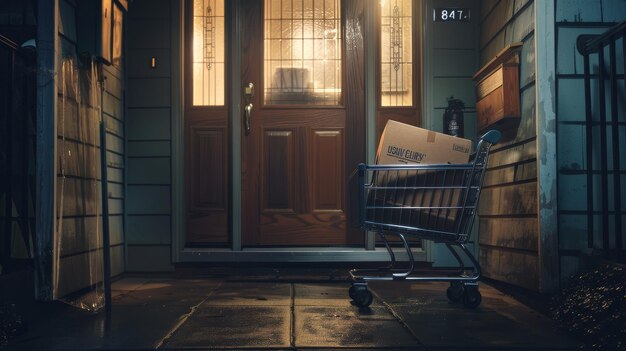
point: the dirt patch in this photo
(11, 324)
(593, 307)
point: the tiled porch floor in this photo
(289, 311)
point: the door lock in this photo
(248, 93)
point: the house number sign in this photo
(448, 14)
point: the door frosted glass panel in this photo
(396, 53)
(302, 52)
(208, 53)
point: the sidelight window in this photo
(396, 53)
(208, 53)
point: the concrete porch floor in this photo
(288, 309)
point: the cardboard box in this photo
(404, 143)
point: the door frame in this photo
(235, 253)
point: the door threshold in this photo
(297, 254)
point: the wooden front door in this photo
(306, 126)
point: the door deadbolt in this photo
(248, 91)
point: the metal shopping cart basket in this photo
(435, 202)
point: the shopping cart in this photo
(435, 202)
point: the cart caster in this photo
(352, 292)
(455, 292)
(361, 296)
(471, 296)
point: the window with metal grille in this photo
(302, 52)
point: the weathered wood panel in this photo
(513, 154)
(509, 200)
(82, 234)
(486, 6)
(519, 4)
(112, 106)
(495, 21)
(522, 26)
(77, 197)
(511, 233)
(511, 266)
(508, 223)
(527, 62)
(83, 270)
(516, 173)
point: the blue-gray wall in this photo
(450, 60)
(573, 18)
(149, 229)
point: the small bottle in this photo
(453, 117)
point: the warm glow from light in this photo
(302, 41)
(396, 53)
(208, 53)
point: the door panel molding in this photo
(296, 158)
(327, 170)
(278, 182)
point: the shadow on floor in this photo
(287, 309)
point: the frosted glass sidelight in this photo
(396, 53)
(208, 53)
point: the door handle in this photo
(247, 116)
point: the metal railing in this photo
(589, 46)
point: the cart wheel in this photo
(363, 297)
(455, 292)
(352, 292)
(471, 296)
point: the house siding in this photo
(78, 206)
(509, 223)
(574, 18)
(149, 198)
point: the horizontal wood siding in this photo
(78, 198)
(508, 223)
(574, 18)
(148, 202)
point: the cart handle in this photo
(492, 136)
